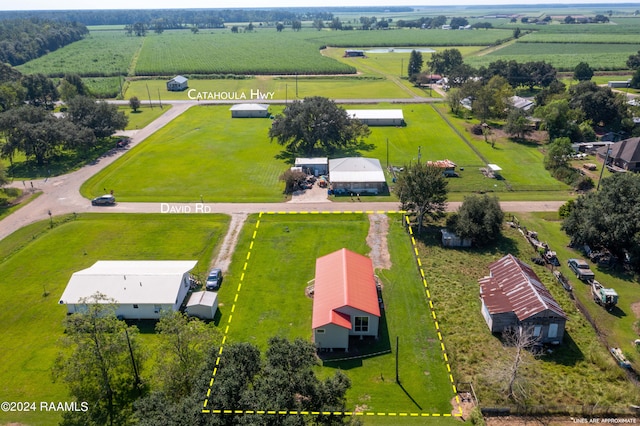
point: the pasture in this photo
(145, 115)
(37, 263)
(272, 301)
(580, 371)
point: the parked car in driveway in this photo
(581, 268)
(214, 279)
(104, 200)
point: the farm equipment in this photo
(605, 297)
(562, 280)
(551, 258)
(620, 358)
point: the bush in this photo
(476, 129)
(476, 417)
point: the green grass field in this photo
(145, 114)
(580, 371)
(204, 153)
(283, 88)
(36, 264)
(200, 153)
(272, 301)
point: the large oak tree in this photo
(316, 126)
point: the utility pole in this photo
(397, 348)
(419, 153)
(149, 94)
(133, 360)
(606, 160)
(387, 153)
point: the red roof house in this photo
(512, 296)
(345, 300)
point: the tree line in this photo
(28, 125)
(175, 18)
(22, 40)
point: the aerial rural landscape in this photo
(320, 215)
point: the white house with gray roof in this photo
(140, 289)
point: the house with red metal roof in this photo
(512, 296)
(345, 300)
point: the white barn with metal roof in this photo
(358, 175)
(247, 110)
(141, 289)
(378, 117)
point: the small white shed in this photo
(450, 239)
(316, 166)
(177, 84)
(203, 304)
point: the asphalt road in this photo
(61, 194)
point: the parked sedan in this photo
(104, 200)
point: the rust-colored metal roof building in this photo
(345, 300)
(513, 295)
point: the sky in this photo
(187, 4)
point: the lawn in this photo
(578, 372)
(204, 153)
(37, 262)
(145, 114)
(273, 262)
(200, 153)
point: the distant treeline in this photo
(24, 39)
(180, 18)
(190, 16)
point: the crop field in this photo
(104, 87)
(406, 37)
(272, 301)
(261, 52)
(580, 371)
(100, 54)
(32, 327)
(597, 38)
(563, 56)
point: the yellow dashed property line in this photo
(226, 330)
(206, 410)
(435, 320)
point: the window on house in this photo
(536, 330)
(361, 324)
(135, 306)
(156, 309)
(553, 330)
(320, 331)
